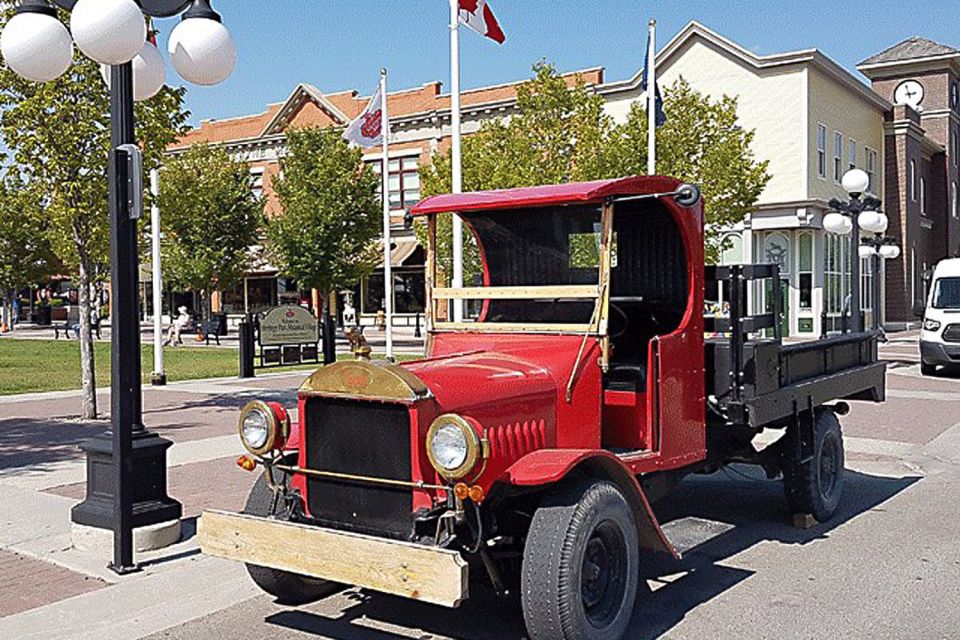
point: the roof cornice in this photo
(759, 63)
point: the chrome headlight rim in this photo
(472, 440)
(274, 428)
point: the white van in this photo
(940, 334)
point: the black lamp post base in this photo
(158, 379)
(151, 504)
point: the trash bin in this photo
(218, 324)
(44, 316)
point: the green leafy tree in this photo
(26, 257)
(560, 133)
(326, 237)
(58, 134)
(703, 144)
(210, 218)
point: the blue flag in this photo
(661, 116)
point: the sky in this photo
(342, 44)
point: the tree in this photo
(26, 257)
(59, 136)
(326, 237)
(210, 219)
(560, 133)
(700, 143)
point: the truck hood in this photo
(489, 386)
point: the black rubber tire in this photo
(287, 588)
(816, 487)
(553, 593)
(927, 369)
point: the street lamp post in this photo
(126, 467)
(862, 211)
(877, 249)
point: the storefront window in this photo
(261, 295)
(805, 273)
(409, 292)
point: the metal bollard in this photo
(246, 348)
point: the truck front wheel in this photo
(287, 588)
(816, 485)
(581, 565)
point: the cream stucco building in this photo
(813, 120)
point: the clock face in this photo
(909, 92)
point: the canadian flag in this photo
(367, 129)
(477, 15)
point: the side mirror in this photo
(688, 195)
(919, 308)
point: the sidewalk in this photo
(42, 476)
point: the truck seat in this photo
(627, 376)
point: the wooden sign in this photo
(288, 325)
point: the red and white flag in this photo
(367, 129)
(477, 15)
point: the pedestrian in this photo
(179, 324)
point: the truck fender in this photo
(549, 466)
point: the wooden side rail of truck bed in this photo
(757, 381)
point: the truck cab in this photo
(523, 451)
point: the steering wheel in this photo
(624, 321)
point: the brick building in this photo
(922, 158)
(420, 126)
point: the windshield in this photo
(552, 252)
(946, 293)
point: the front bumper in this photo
(939, 353)
(437, 576)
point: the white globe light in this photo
(202, 50)
(856, 181)
(149, 73)
(873, 221)
(36, 46)
(890, 251)
(866, 251)
(837, 223)
(109, 31)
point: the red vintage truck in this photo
(523, 452)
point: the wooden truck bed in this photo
(760, 381)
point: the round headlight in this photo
(259, 428)
(452, 446)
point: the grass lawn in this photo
(28, 366)
(53, 365)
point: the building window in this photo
(404, 182)
(955, 147)
(923, 195)
(834, 288)
(955, 201)
(913, 180)
(837, 156)
(871, 168)
(852, 155)
(805, 272)
(821, 151)
(256, 181)
(409, 292)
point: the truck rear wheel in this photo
(816, 486)
(287, 588)
(581, 565)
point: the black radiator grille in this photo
(952, 333)
(365, 439)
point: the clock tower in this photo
(921, 80)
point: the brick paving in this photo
(214, 484)
(29, 583)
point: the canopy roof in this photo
(557, 194)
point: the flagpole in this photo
(652, 99)
(455, 151)
(385, 176)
